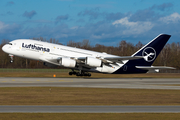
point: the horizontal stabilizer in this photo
(154, 68)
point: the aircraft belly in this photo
(28, 54)
(107, 68)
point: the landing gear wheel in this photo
(78, 74)
(89, 74)
(70, 73)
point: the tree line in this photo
(169, 56)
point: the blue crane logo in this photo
(149, 54)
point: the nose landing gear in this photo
(11, 56)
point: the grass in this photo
(86, 96)
(7, 72)
(33, 70)
(89, 116)
(64, 74)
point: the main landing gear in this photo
(80, 73)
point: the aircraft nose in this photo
(4, 48)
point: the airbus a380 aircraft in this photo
(89, 61)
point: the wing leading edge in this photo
(119, 59)
(109, 60)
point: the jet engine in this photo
(67, 62)
(94, 62)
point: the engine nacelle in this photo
(94, 62)
(67, 62)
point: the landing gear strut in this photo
(80, 73)
(11, 56)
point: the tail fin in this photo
(151, 50)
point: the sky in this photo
(105, 22)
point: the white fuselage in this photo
(46, 52)
(86, 60)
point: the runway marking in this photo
(27, 82)
(70, 81)
(65, 80)
(51, 81)
(61, 80)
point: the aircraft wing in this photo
(154, 68)
(81, 60)
(111, 59)
(120, 59)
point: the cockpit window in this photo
(10, 43)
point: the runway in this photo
(89, 109)
(131, 83)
